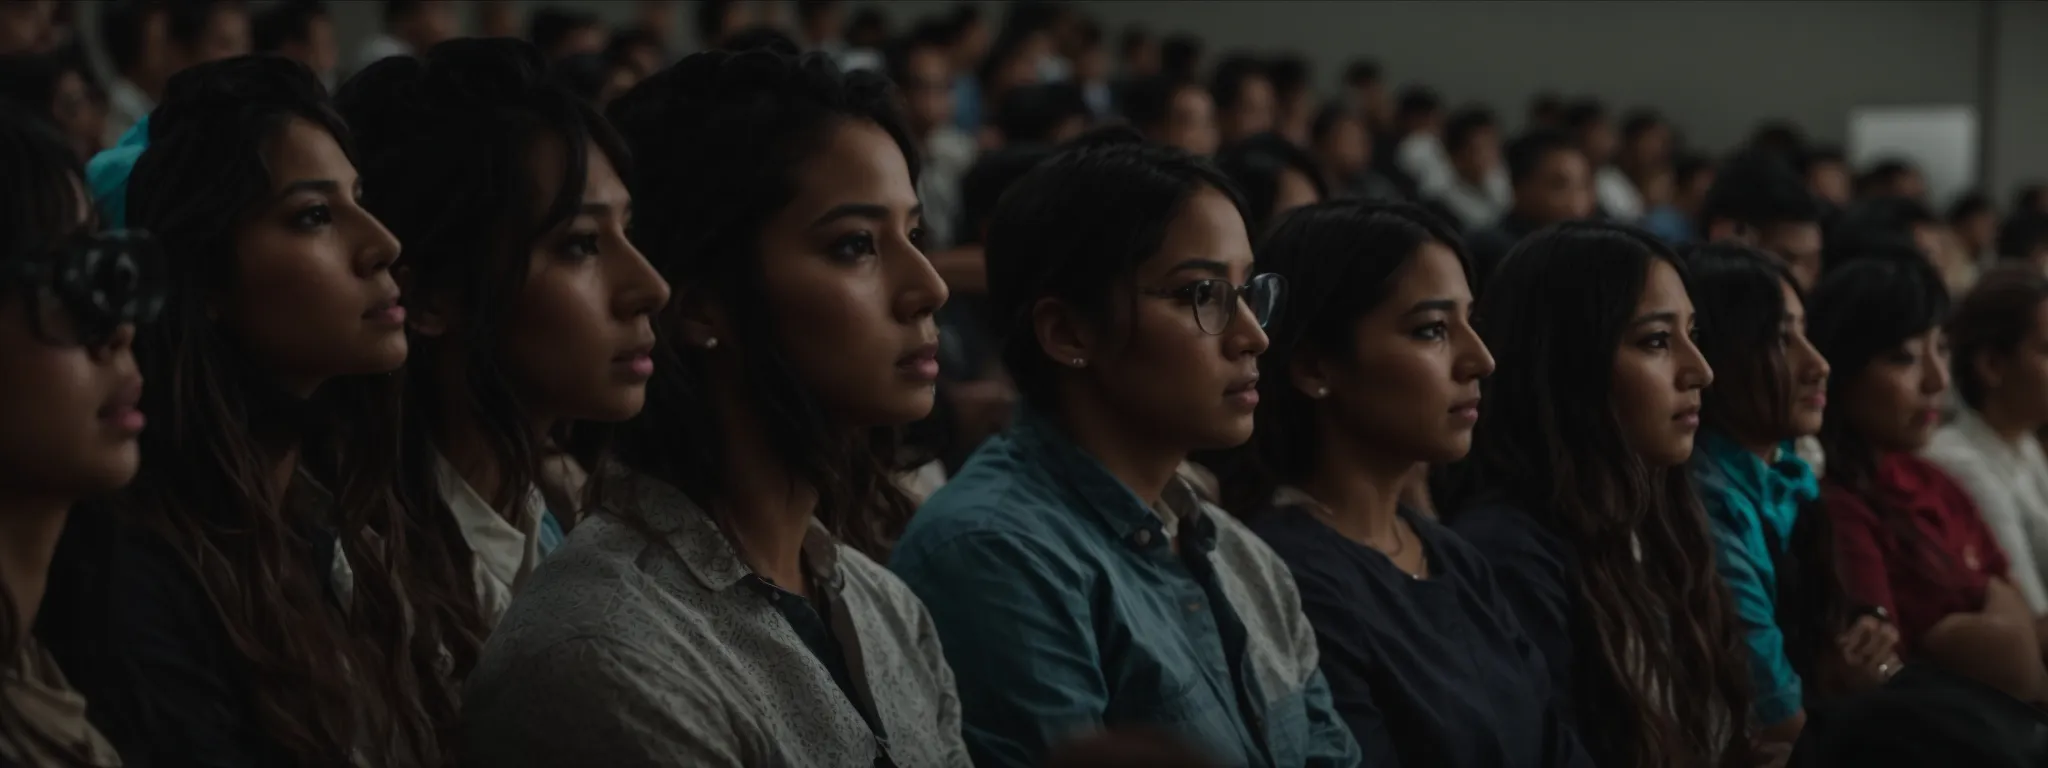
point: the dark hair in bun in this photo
(323, 680)
(717, 139)
(453, 147)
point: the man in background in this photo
(302, 31)
(410, 28)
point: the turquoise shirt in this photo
(107, 173)
(1743, 495)
(1063, 608)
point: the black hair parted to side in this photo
(1759, 189)
(446, 146)
(1555, 316)
(1465, 125)
(1256, 165)
(319, 679)
(1344, 255)
(1858, 312)
(717, 140)
(1076, 228)
(1739, 293)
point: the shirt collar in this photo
(705, 551)
(2003, 456)
(1787, 478)
(499, 545)
(1101, 494)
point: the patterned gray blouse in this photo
(648, 642)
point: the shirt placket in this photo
(837, 647)
(1206, 615)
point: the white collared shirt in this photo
(504, 552)
(2010, 485)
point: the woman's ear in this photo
(1309, 374)
(1064, 336)
(430, 317)
(1990, 368)
(701, 320)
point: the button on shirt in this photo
(1749, 504)
(1065, 608)
(2010, 485)
(646, 641)
(1922, 578)
(504, 552)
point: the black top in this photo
(1490, 245)
(1426, 672)
(1535, 569)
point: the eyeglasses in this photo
(101, 281)
(1215, 300)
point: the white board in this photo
(1940, 139)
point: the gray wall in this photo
(1716, 67)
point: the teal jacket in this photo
(1744, 496)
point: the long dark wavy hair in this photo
(717, 139)
(40, 184)
(325, 680)
(446, 143)
(1660, 665)
(1739, 293)
(1340, 259)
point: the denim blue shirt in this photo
(1743, 495)
(1064, 608)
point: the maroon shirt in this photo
(1921, 578)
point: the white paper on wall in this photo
(1940, 139)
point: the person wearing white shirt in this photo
(150, 42)
(1616, 194)
(1999, 337)
(410, 28)
(1475, 193)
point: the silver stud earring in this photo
(1322, 392)
(1078, 363)
(711, 342)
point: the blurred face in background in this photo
(1831, 182)
(1254, 111)
(1561, 189)
(927, 90)
(319, 52)
(1599, 142)
(1479, 156)
(1191, 122)
(77, 116)
(27, 26)
(226, 36)
(1693, 194)
(1344, 149)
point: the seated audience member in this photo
(1827, 176)
(246, 601)
(2032, 197)
(1412, 152)
(69, 389)
(58, 91)
(1594, 131)
(1244, 98)
(1551, 184)
(1910, 540)
(529, 310)
(1471, 195)
(1758, 200)
(561, 33)
(1174, 112)
(301, 30)
(1275, 176)
(1077, 581)
(1998, 339)
(1294, 97)
(1546, 110)
(1046, 113)
(1366, 92)
(1646, 143)
(723, 606)
(1771, 541)
(1677, 221)
(1974, 224)
(1893, 177)
(1865, 224)
(1578, 494)
(2024, 238)
(921, 67)
(1343, 149)
(1374, 368)
(411, 27)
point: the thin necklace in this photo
(1400, 542)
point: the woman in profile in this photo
(724, 605)
(70, 299)
(243, 604)
(1374, 368)
(1584, 505)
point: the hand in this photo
(1869, 652)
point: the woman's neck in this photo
(765, 510)
(1142, 465)
(461, 439)
(2006, 421)
(1359, 491)
(29, 529)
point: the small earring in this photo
(711, 342)
(1078, 363)
(1322, 392)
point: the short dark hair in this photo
(1971, 204)
(397, 10)
(1546, 105)
(1815, 157)
(284, 23)
(121, 27)
(1326, 121)
(1255, 165)
(1526, 153)
(1778, 136)
(2023, 233)
(1133, 38)
(1883, 173)
(30, 82)
(991, 175)
(185, 21)
(1880, 225)
(1466, 125)
(1148, 102)
(1289, 74)
(759, 37)
(809, 10)
(1076, 227)
(1030, 114)
(1639, 122)
(1582, 114)
(1226, 84)
(930, 34)
(710, 18)
(1758, 189)
(1994, 317)
(1361, 72)
(2030, 197)
(619, 51)
(1689, 166)
(550, 26)
(1179, 55)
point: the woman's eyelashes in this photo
(579, 246)
(1435, 330)
(312, 216)
(853, 247)
(1658, 340)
